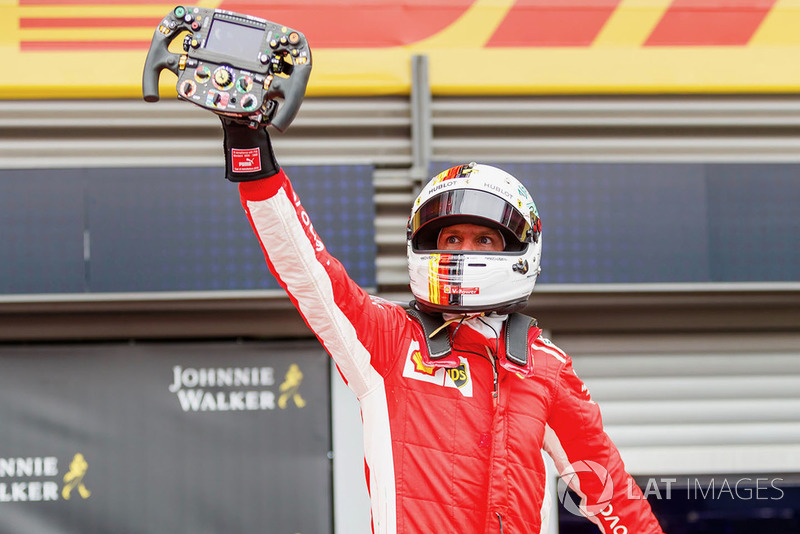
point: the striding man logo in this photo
(290, 387)
(74, 478)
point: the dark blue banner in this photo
(159, 229)
(665, 223)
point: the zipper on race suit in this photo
(496, 392)
(495, 402)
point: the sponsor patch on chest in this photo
(458, 377)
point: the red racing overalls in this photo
(451, 446)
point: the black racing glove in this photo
(248, 152)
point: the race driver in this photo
(457, 404)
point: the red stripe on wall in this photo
(709, 22)
(88, 22)
(542, 23)
(71, 46)
(357, 24)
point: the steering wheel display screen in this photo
(234, 40)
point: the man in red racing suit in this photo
(452, 444)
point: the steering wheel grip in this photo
(158, 58)
(292, 90)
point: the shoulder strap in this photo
(517, 327)
(438, 345)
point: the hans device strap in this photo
(517, 326)
(232, 64)
(439, 346)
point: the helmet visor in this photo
(469, 205)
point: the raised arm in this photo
(352, 326)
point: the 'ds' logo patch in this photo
(459, 375)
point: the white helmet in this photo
(474, 281)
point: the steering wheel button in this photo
(202, 74)
(273, 44)
(223, 78)
(244, 84)
(249, 103)
(188, 88)
(294, 38)
(217, 100)
(180, 11)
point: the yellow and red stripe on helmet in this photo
(452, 173)
(435, 292)
(444, 280)
(443, 269)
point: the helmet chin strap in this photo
(449, 319)
(488, 325)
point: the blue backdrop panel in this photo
(657, 223)
(42, 217)
(158, 229)
(754, 217)
(614, 224)
(164, 230)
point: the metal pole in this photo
(421, 123)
